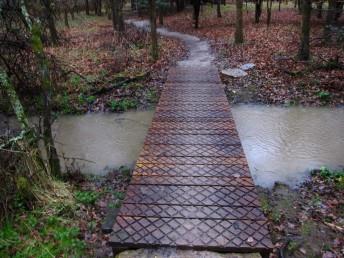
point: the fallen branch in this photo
(119, 84)
(334, 227)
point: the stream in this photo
(284, 144)
(281, 144)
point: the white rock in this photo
(235, 72)
(178, 253)
(247, 66)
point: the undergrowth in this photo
(47, 231)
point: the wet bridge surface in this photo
(191, 187)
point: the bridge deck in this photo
(191, 187)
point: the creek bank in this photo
(307, 221)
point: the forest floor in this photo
(307, 221)
(278, 77)
(104, 72)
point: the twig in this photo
(117, 85)
(334, 227)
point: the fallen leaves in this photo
(95, 58)
(278, 78)
(311, 218)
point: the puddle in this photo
(284, 144)
(100, 141)
(108, 140)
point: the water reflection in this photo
(283, 144)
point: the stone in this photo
(234, 72)
(178, 253)
(329, 254)
(247, 66)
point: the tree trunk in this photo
(8, 88)
(117, 16)
(197, 7)
(65, 15)
(37, 47)
(339, 9)
(299, 5)
(319, 11)
(120, 21)
(180, 5)
(279, 5)
(330, 16)
(269, 12)
(72, 13)
(114, 14)
(258, 10)
(161, 15)
(51, 21)
(133, 4)
(219, 8)
(239, 34)
(108, 10)
(87, 7)
(305, 29)
(154, 37)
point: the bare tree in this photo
(258, 10)
(330, 19)
(305, 29)
(117, 15)
(239, 30)
(154, 36)
(197, 7)
(268, 11)
(50, 20)
(319, 9)
(37, 47)
(218, 8)
(87, 7)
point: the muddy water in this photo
(102, 141)
(283, 144)
(95, 143)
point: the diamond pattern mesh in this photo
(191, 186)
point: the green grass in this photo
(64, 103)
(152, 96)
(334, 176)
(81, 19)
(38, 234)
(324, 95)
(122, 105)
(87, 197)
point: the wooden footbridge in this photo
(191, 187)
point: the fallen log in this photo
(118, 84)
